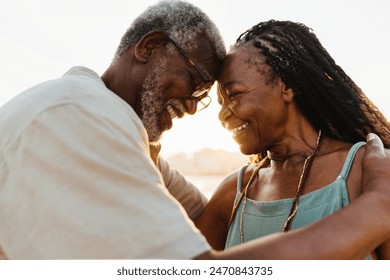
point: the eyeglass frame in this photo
(196, 95)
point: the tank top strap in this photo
(349, 160)
(240, 178)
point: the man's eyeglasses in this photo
(201, 92)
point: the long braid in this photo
(325, 94)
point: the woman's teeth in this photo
(234, 131)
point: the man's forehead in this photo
(205, 57)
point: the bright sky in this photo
(42, 39)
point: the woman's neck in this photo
(295, 146)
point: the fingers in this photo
(155, 149)
(374, 144)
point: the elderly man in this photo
(76, 177)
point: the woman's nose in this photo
(223, 114)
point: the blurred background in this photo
(42, 39)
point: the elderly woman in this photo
(285, 100)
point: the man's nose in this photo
(191, 105)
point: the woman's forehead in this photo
(235, 58)
(241, 59)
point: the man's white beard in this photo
(152, 101)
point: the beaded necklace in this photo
(305, 170)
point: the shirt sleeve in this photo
(189, 196)
(81, 186)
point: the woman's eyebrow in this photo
(230, 83)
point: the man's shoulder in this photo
(73, 86)
(79, 88)
(86, 89)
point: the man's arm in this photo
(375, 164)
(376, 168)
(351, 233)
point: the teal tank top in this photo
(265, 217)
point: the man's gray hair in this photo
(182, 21)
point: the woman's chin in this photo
(246, 150)
(249, 150)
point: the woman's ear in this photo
(148, 43)
(287, 92)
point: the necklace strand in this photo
(305, 170)
(302, 178)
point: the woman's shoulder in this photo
(213, 222)
(223, 197)
(345, 153)
(349, 157)
(230, 182)
(228, 185)
(354, 177)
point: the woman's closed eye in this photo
(232, 95)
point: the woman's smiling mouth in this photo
(235, 130)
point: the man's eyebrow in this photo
(181, 75)
(190, 74)
(186, 74)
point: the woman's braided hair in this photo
(324, 93)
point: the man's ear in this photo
(287, 92)
(148, 43)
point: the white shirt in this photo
(77, 181)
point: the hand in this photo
(155, 149)
(376, 166)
